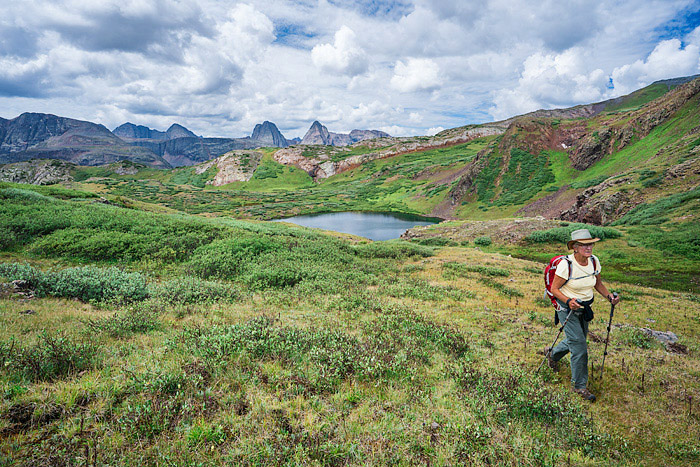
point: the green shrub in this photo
(282, 273)
(7, 238)
(19, 194)
(679, 239)
(24, 272)
(392, 249)
(52, 357)
(423, 290)
(563, 234)
(86, 283)
(393, 345)
(188, 290)
(482, 241)
(225, 258)
(89, 283)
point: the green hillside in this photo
(635, 157)
(171, 339)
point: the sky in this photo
(407, 67)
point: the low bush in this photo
(52, 357)
(225, 259)
(191, 290)
(89, 283)
(35, 278)
(86, 283)
(679, 239)
(589, 183)
(563, 234)
(393, 249)
(482, 241)
(19, 194)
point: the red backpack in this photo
(551, 269)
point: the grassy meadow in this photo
(146, 338)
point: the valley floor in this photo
(436, 366)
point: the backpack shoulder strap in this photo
(596, 264)
(571, 270)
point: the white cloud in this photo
(434, 130)
(415, 117)
(549, 81)
(418, 74)
(669, 59)
(344, 56)
(219, 67)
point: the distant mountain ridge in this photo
(45, 136)
(319, 134)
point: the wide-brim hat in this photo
(581, 236)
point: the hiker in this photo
(574, 292)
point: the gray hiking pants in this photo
(576, 331)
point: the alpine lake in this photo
(372, 225)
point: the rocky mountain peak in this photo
(268, 135)
(178, 131)
(317, 134)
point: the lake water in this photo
(372, 225)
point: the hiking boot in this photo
(585, 394)
(553, 364)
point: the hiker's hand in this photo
(573, 304)
(614, 299)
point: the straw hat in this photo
(580, 236)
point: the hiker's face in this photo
(584, 250)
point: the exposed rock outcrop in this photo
(684, 169)
(602, 209)
(591, 149)
(234, 166)
(37, 172)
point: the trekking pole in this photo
(607, 338)
(555, 339)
